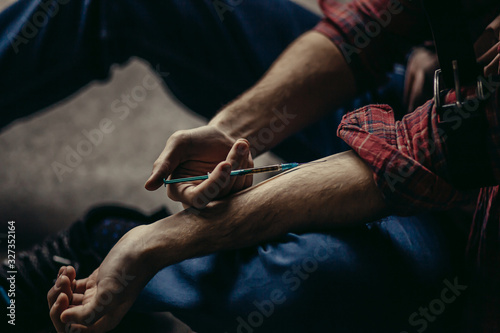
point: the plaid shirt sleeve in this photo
(406, 157)
(373, 35)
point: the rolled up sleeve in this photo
(406, 157)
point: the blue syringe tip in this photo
(288, 166)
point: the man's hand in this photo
(419, 78)
(198, 152)
(99, 302)
(308, 80)
(60, 297)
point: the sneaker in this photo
(83, 246)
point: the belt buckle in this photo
(459, 103)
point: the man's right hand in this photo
(197, 152)
(308, 80)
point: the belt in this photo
(461, 94)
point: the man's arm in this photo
(309, 79)
(306, 82)
(335, 191)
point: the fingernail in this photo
(242, 148)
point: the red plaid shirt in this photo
(407, 157)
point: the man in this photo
(311, 75)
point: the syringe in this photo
(240, 172)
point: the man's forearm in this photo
(331, 192)
(309, 79)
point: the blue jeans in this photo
(366, 279)
(212, 53)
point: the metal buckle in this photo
(437, 88)
(456, 78)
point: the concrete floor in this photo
(42, 202)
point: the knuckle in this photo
(198, 200)
(53, 313)
(245, 141)
(164, 167)
(180, 137)
(198, 203)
